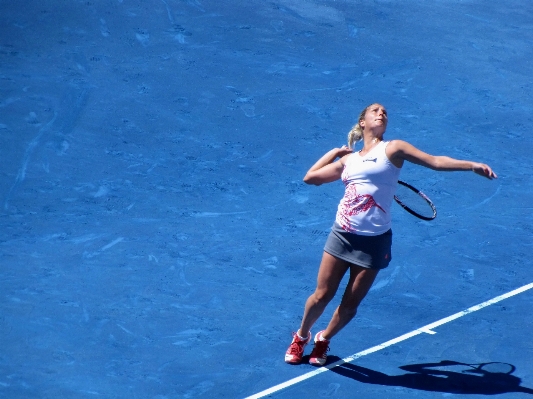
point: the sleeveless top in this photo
(370, 183)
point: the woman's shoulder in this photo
(347, 158)
(396, 145)
(395, 142)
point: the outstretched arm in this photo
(325, 170)
(399, 151)
(427, 367)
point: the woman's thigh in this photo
(330, 274)
(360, 282)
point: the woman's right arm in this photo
(326, 169)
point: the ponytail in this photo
(356, 134)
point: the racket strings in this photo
(414, 201)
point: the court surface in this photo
(157, 240)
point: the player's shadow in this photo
(446, 376)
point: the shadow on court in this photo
(446, 376)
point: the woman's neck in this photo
(369, 143)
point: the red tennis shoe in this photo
(296, 349)
(319, 355)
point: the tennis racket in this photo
(491, 367)
(415, 201)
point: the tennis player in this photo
(361, 237)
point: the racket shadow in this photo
(447, 376)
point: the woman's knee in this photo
(347, 311)
(323, 296)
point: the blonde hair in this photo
(356, 134)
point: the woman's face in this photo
(375, 118)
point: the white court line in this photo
(426, 329)
(112, 243)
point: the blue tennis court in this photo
(157, 238)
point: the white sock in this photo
(320, 337)
(302, 338)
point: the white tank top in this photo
(370, 183)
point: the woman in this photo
(361, 237)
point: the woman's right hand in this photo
(326, 169)
(344, 150)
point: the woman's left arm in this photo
(399, 151)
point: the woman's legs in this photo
(330, 274)
(361, 279)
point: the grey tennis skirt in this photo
(371, 252)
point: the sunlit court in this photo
(170, 183)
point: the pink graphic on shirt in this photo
(354, 204)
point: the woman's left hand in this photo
(484, 170)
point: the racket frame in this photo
(420, 193)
